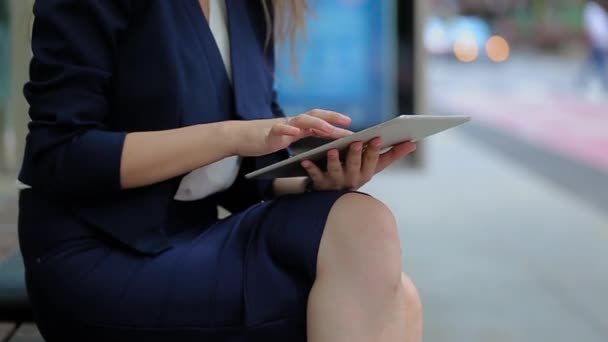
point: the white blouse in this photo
(221, 175)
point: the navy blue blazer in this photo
(104, 68)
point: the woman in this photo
(145, 116)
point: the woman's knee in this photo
(362, 232)
(412, 296)
(366, 216)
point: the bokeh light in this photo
(466, 48)
(498, 49)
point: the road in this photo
(534, 98)
(533, 110)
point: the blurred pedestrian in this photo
(595, 20)
(4, 53)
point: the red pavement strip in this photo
(574, 129)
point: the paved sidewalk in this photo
(499, 254)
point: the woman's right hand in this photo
(260, 137)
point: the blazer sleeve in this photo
(70, 147)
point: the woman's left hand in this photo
(358, 168)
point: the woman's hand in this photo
(261, 137)
(358, 169)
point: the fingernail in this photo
(306, 164)
(358, 146)
(333, 154)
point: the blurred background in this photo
(504, 222)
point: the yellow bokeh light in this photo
(498, 49)
(466, 48)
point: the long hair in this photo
(284, 20)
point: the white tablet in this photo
(400, 129)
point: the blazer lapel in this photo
(215, 65)
(248, 63)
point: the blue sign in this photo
(347, 63)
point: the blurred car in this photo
(463, 37)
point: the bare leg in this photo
(360, 293)
(413, 310)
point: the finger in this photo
(334, 167)
(315, 174)
(339, 133)
(304, 133)
(284, 129)
(332, 117)
(398, 152)
(370, 159)
(353, 163)
(305, 121)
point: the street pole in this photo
(20, 24)
(420, 57)
(4, 74)
(421, 11)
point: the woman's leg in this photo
(360, 293)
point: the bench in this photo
(13, 332)
(14, 303)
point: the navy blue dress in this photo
(108, 264)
